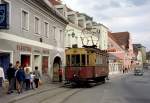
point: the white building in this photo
(102, 34)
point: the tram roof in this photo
(86, 48)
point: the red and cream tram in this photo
(86, 64)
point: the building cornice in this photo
(47, 9)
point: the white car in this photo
(138, 72)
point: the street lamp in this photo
(72, 32)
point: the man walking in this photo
(11, 78)
(20, 77)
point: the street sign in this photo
(4, 18)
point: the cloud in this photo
(138, 2)
(119, 15)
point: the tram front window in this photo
(83, 59)
(75, 60)
(68, 60)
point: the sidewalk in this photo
(11, 98)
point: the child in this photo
(31, 80)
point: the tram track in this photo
(65, 99)
(47, 96)
(54, 95)
(60, 97)
(33, 94)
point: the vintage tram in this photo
(86, 64)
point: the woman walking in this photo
(27, 78)
(11, 78)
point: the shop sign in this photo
(4, 18)
(37, 51)
(24, 48)
(45, 51)
(111, 50)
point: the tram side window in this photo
(83, 59)
(68, 60)
(87, 59)
(75, 60)
(100, 59)
(104, 59)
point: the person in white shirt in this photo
(2, 76)
(32, 80)
(27, 67)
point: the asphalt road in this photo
(121, 89)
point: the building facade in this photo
(116, 55)
(124, 40)
(102, 35)
(140, 54)
(35, 37)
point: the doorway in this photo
(37, 62)
(45, 65)
(4, 61)
(56, 66)
(25, 59)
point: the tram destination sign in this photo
(4, 18)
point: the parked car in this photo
(138, 72)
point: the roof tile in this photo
(122, 38)
(55, 2)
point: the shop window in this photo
(45, 64)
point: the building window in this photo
(37, 25)
(60, 35)
(54, 32)
(46, 29)
(25, 20)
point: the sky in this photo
(119, 16)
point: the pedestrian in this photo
(123, 71)
(2, 78)
(31, 80)
(107, 77)
(60, 74)
(27, 67)
(126, 70)
(27, 78)
(20, 77)
(36, 77)
(11, 78)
